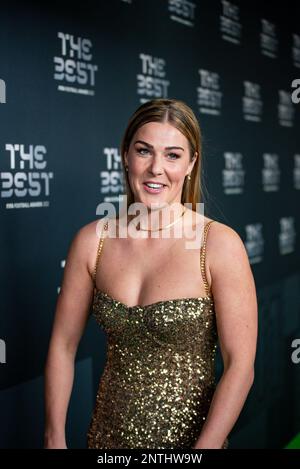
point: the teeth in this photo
(154, 186)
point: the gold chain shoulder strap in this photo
(100, 245)
(202, 257)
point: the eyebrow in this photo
(151, 146)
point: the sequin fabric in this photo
(158, 380)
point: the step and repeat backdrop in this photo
(71, 74)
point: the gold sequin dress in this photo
(158, 380)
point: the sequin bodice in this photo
(158, 379)
(159, 326)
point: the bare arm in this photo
(72, 310)
(235, 299)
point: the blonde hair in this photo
(181, 116)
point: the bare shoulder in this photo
(87, 239)
(223, 242)
(228, 261)
(221, 229)
(93, 229)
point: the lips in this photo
(153, 190)
(154, 182)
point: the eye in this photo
(174, 154)
(140, 150)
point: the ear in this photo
(125, 158)
(192, 162)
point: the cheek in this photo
(137, 167)
(176, 175)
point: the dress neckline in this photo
(207, 298)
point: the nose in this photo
(155, 166)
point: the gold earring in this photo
(189, 177)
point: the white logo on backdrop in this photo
(295, 357)
(209, 96)
(296, 50)
(2, 351)
(233, 174)
(112, 177)
(295, 97)
(286, 109)
(268, 39)
(2, 92)
(26, 177)
(62, 264)
(74, 66)
(254, 242)
(230, 25)
(287, 235)
(182, 11)
(296, 171)
(252, 102)
(270, 172)
(152, 83)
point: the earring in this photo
(189, 177)
(126, 167)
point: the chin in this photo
(156, 204)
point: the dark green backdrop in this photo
(74, 73)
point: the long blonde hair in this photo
(181, 116)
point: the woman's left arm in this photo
(234, 292)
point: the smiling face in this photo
(159, 154)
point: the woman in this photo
(162, 305)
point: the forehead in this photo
(160, 134)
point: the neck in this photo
(159, 217)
